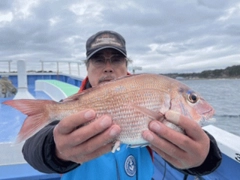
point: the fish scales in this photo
(132, 122)
(117, 102)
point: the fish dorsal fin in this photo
(152, 114)
(78, 95)
(127, 76)
(73, 97)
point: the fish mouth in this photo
(210, 111)
(208, 114)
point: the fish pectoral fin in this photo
(150, 113)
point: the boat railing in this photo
(54, 66)
(43, 66)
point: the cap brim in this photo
(106, 47)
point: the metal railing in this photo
(47, 66)
(68, 67)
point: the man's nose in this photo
(108, 67)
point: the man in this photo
(79, 150)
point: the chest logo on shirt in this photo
(130, 166)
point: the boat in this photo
(57, 85)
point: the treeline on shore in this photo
(229, 72)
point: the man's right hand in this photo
(79, 141)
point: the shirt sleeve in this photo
(39, 152)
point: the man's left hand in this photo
(183, 151)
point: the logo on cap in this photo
(106, 39)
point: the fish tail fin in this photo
(37, 116)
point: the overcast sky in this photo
(162, 36)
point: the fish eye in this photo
(193, 98)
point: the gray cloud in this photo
(161, 36)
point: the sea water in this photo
(224, 96)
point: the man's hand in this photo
(183, 151)
(79, 141)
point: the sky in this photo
(162, 36)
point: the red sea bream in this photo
(131, 101)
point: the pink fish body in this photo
(131, 101)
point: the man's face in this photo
(106, 65)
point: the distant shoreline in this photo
(232, 72)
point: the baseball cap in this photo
(105, 39)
